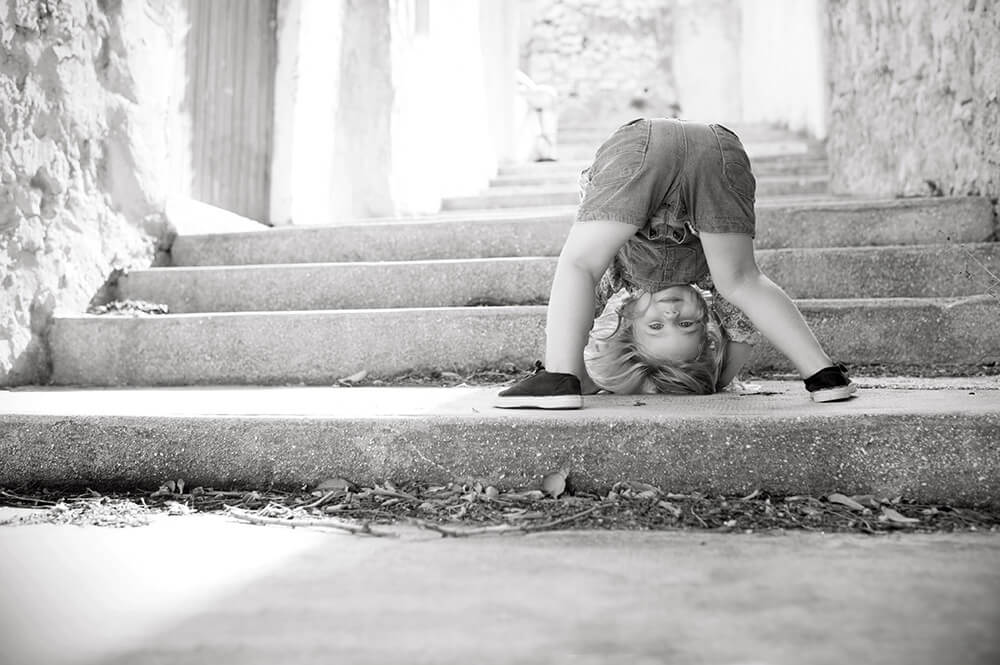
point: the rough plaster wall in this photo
(915, 97)
(610, 60)
(82, 139)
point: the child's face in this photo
(669, 324)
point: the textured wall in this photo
(82, 142)
(915, 97)
(609, 59)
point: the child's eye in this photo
(655, 325)
(687, 324)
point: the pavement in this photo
(203, 588)
(931, 441)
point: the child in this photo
(667, 204)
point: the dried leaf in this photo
(868, 501)
(492, 492)
(752, 495)
(180, 485)
(554, 483)
(354, 378)
(175, 508)
(529, 495)
(845, 501)
(625, 487)
(335, 484)
(895, 517)
(674, 509)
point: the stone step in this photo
(318, 347)
(932, 441)
(777, 148)
(570, 176)
(896, 271)
(767, 186)
(569, 194)
(541, 232)
(748, 132)
(761, 165)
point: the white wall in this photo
(706, 60)
(307, 78)
(373, 119)
(442, 139)
(784, 75)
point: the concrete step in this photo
(318, 347)
(897, 271)
(569, 194)
(749, 132)
(932, 441)
(541, 232)
(570, 176)
(777, 148)
(767, 186)
(765, 165)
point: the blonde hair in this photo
(616, 362)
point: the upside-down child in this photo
(667, 216)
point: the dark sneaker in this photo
(830, 384)
(542, 390)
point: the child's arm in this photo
(737, 354)
(585, 256)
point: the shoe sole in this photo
(540, 402)
(834, 394)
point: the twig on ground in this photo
(357, 529)
(326, 498)
(395, 495)
(698, 517)
(26, 499)
(500, 528)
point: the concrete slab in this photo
(553, 194)
(568, 173)
(896, 271)
(756, 150)
(541, 232)
(253, 595)
(761, 164)
(926, 444)
(319, 347)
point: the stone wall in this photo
(610, 60)
(915, 102)
(84, 138)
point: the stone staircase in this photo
(881, 281)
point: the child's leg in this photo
(736, 275)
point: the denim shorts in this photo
(673, 180)
(699, 170)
